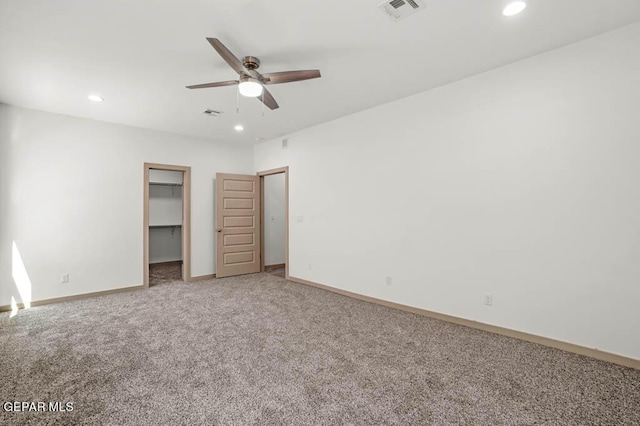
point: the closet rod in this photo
(165, 184)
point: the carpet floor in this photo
(277, 272)
(260, 350)
(160, 273)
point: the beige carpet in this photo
(260, 350)
(160, 273)
(279, 272)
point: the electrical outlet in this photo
(64, 278)
(488, 299)
(300, 219)
(389, 281)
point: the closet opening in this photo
(167, 223)
(274, 206)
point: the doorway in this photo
(274, 226)
(166, 223)
(240, 223)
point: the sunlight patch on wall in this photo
(20, 277)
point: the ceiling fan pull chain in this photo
(238, 101)
(263, 103)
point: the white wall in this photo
(274, 223)
(6, 220)
(71, 199)
(521, 182)
(165, 244)
(165, 205)
(165, 176)
(165, 208)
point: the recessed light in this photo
(239, 128)
(95, 98)
(514, 8)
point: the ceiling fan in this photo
(251, 82)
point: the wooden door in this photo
(237, 224)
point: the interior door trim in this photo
(262, 174)
(186, 219)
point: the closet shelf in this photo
(164, 184)
(177, 225)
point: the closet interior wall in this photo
(274, 220)
(165, 216)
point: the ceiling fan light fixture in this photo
(250, 87)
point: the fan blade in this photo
(218, 84)
(289, 76)
(227, 55)
(267, 99)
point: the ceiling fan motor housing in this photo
(251, 62)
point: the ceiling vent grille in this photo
(212, 112)
(400, 9)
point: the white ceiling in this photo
(140, 54)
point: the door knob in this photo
(219, 230)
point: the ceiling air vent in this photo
(212, 112)
(400, 9)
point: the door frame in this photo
(261, 175)
(186, 219)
